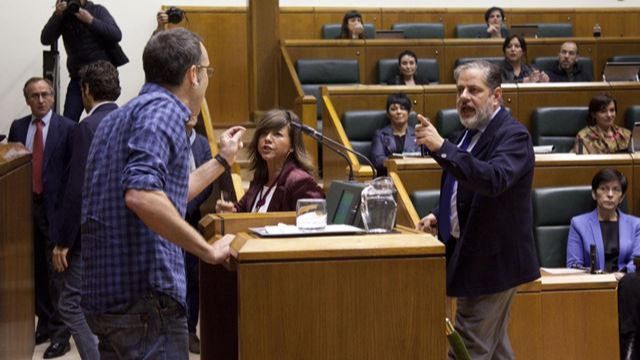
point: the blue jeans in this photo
(153, 328)
(71, 312)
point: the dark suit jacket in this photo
(556, 74)
(69, 217)
(495, 251)
(57, 152)
(201, 154)
(398, 79)
(294, 183)
(384, 144)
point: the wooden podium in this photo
(324, 297)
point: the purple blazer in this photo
(294, 183)
(585, 230)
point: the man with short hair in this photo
(567, 68)
(484, 215)
(135, 194)
(47, 135)
(89, 33)
(100, 89)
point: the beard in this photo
(479, 119)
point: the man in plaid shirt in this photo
(136, 190)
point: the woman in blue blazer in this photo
(616, 236)
(397, 137)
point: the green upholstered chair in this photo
(361, 125)
(548, 62)
(558, 126)
(332, 31)
(420, 30)
(466, 31)
(553, 209)
(424, 201)
(448, 124)
(546, 30)
(314, 73)
(632, 116)
(427, 69)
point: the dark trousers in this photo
(48, 282)
(191, 264)
(73, 106)
(155, 327)
(629, 315)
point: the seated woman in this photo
(282, 168)
(352, 26)
(397, 137)
(616, 236)
(494, 17)
(407, 71)
(514, 66)
(602, 136)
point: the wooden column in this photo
(263, 40)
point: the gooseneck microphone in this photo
(334, 146)
(592, 255)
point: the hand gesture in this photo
(428, 224)
(493, 29)
(61, 6)
(225, 207)
(59, 258)
(426, 134)
(84, 16)
(231, 143)
(219, 251)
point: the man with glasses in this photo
(567, 68)
(137, 186)
(47, 135)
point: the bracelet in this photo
(223, 162)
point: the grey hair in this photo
(492, 76)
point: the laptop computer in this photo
(524, 30)
(621, 71)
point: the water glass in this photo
(311, 214)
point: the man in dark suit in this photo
(47, 135)
(100, 88)
(484, 216)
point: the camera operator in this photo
(89, 34)
(172, 15)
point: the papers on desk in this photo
(543, 149)
(563, 271)
(406, 155)
(284, 230)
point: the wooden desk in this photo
(566, 317)
(551, 170)
(352, 297)
(17, 318)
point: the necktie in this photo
(37, 158)
(444, 206)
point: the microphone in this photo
(580, 146)
(335, 146)
(592, 256)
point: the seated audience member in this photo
(617, 239)
(397, 137)
(352, 26)
(602, 135)
(514, 67)
(567, 68)
(494, 17)
(407, 70)
(281, 165)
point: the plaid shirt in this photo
(142, 145)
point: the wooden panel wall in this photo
(306, 22)
(224, 31)
(17, 318)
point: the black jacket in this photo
(556, 74)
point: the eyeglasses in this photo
(37, 96)
(208, 68)
(605, 190)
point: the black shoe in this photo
(194, 343)
(56, 349)
(41, 337)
